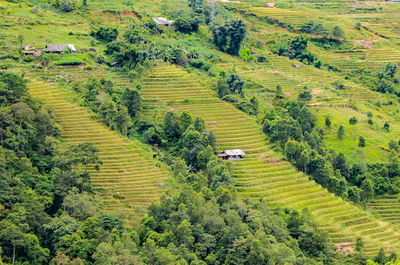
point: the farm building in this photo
(232, 154)
(116, 65)
(59, 48)
(162, 21)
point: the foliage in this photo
(187, 24)
(37, 174)
(296, 48)
(229, 37)
(105, 34)
(305, 95)
(118, 108)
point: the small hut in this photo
(162, 21)
(116, 65)
(232, 154)
(59, 48)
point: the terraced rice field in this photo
(262, 173)
(387, 208)
(128, 180)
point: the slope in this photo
(263, 173)
(128, 180)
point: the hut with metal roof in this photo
(163, 21)
(59, 48)
(232, 154)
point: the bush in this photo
(28, 59)
(105, 34)
(187, 24)
(197, 63)
(67, 6)
(353, 120)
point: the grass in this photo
(262, 173)
(129, 177)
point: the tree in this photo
(187, 24)
(367, 190)
(354, 194)
(171, 126)
(393, 145)
(186, 120)
(361, 141)
(105, 34)
(229, 37)
(84, 2)
(386, 126)
(381, 257)
(305, 95)
(358, 25)
(132, 100)
(67, 6)
(292, 149)
(196, 5)
(62, 259)
(359, 244)
(237, 32)
(353, 120)
(279, 92)
(79, 206)
(304, 160)
(13, 235)
(328, 122)
(235, 83)
(199, 124)
(340, 132)
(338, 32)
(12, 88)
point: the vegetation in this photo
(135, 178)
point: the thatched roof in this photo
(59, 47)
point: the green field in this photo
(262, 173)
(128, 180)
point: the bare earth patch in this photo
(345, 248)
(364, 43)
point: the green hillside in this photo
(128, 179)
(263, 173)
(109, 148)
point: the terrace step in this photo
(125, 170)
(261, 174)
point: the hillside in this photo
(263, 173)
(124, 176)
(109, 145)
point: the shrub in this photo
(361, 141)
(353, 120)
(28, 59)
(187, 24)
(328, 122)
(197, 63)
(340, 132)
(67, 6)
(386, 126)
(105, 34)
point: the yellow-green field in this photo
(129, 180)
(262, 174)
